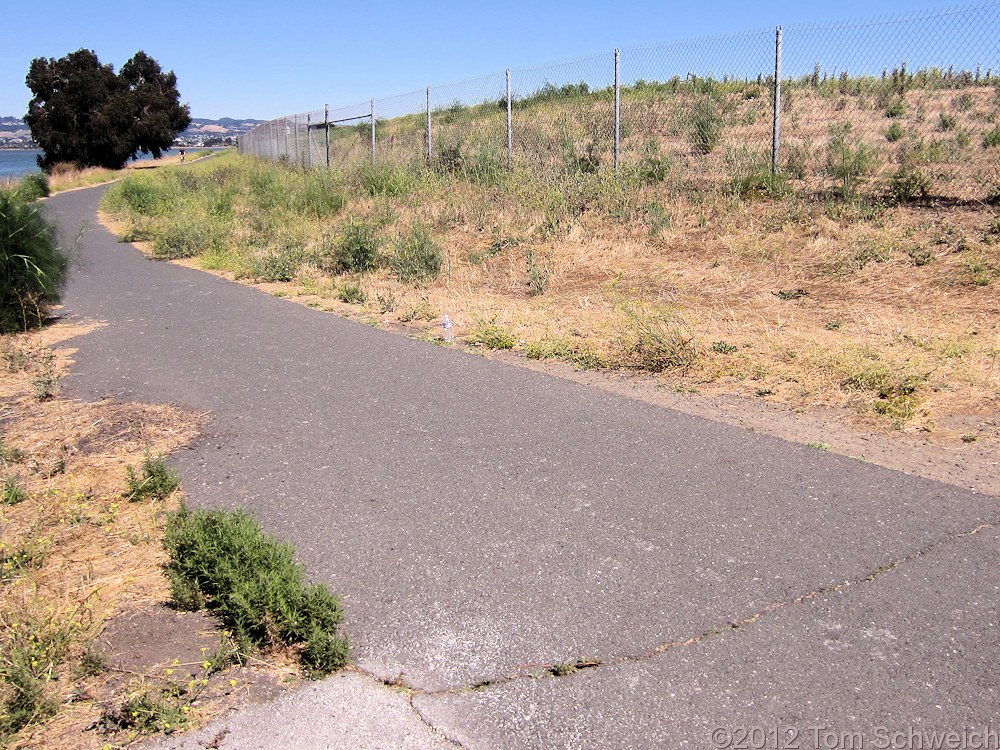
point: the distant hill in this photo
(14, 132)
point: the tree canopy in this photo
(85, 113)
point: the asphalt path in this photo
(483, 521)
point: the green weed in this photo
(705, 131)
(537, 272)
(895, 132)
(416, 256)
(154, 480)
(13, 493)
(848, 161)
(723, 347)
(656, 341)
(566, 351)
(492, 336)
(386, 180)
(352, 293)
(355, 251)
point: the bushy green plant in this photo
(416, 256)
(848, 160)
(12, 493)
(153, 480)
(184, 237)
(352, 293)
(656, 341)
(654, 167)
(33, 186)
(895, 108)
(752, 174)
(908, 184)
(32, 264)
(355, 251)
(30, 656)
(991, 138)
(894, 132)
(386, 180)
(567, 351)
(492, 336)
(253, 583)
(280, 265)
(319, 198)
(705, 130)
(140, 194)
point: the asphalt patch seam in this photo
(547, 671)
(399, 685)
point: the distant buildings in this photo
(14, 133)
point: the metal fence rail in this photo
(912, 94)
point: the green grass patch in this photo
(153, 480)
(492, 336)
(416, 256)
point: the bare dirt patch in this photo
(86, 629)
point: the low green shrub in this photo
(705, 131)
(34, 186)
(492, 336)
(848, 160)
(895, 132)
(153, 480)
(656, 342)
(355, 251)
(32, 264)
(253, 584)
(140, 194)
(281, 265)
(184, 237)
(566, 351)
(318, 198)
(12, 493)
(908, 184)
(386, 180)
(352, 294)
(416, 256)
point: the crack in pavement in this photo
(410, 692)
(545, 671)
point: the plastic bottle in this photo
(449, 332)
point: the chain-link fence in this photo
(911, 100)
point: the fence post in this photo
(373, 131)
(428, 126)
(277, 146)
(510, 130)
(309, 141)
(618, 112)
(776, 133)
(297, 160)
(326, 124)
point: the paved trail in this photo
(483, 519)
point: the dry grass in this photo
(890, 311)
(66, 176)
(867, 308)
(75, 552)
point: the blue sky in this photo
(265, 59)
